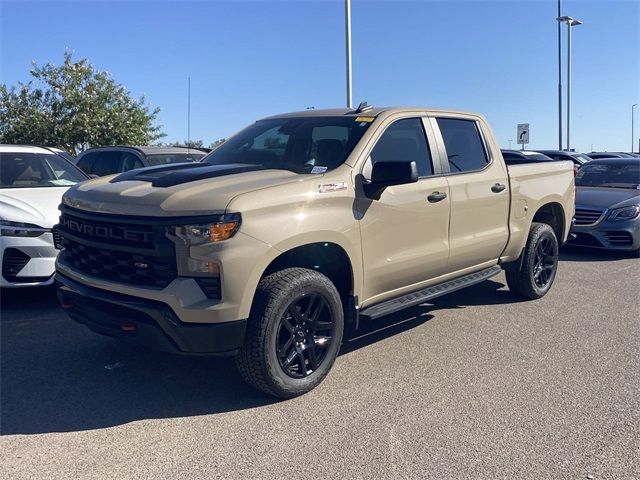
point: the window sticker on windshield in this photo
(365, 119)
(332, 187)
(318, 169)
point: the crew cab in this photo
(304, 222)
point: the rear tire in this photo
(537, 269)
(294, 333)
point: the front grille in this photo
(587, 216)
(117, 249)
(57, 239)
(13, 262)
(619, 238)
(586, 240)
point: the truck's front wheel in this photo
(294, 333)
(534, 275)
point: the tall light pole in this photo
(347, 29)
(571, 22)
(559, 79)
(632, 129)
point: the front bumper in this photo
(27, 261)
(147, 323)
(608, 235)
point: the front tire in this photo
(294, 333)
(537, 270)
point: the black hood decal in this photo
(178, 173)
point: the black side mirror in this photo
(386, 174)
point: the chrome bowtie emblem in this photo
(141, 265)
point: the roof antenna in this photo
(363, 107)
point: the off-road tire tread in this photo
(249, 360)
(519, 280)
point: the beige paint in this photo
(395, 244)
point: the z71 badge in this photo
(332, 187)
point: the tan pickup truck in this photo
(303, 223)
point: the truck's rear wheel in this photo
(294, 333)
(534, 276)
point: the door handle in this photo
(436, 197)
(498, 187)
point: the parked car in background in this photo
(597, 155)
(578, 159)
(103, 161)
(519, 157)
(608, 204)
(32, 181)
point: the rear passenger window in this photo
(463, 142)
(107, 164)
(86, 162)
(404, 141)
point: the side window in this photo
(106, 164)
(404, 141)
(86, 162)
(129, 162)
(463, 142)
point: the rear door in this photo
(479, 192)
(404, 234)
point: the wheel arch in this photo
(336, 259)
(552, 213)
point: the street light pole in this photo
(632, 125)
(347, 19)
(559, 80)
(570, 23)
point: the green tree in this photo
(217, 143)
(74, 106)
(190, 144)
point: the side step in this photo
(429, 293)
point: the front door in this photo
(404, 234)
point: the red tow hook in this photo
(67, 304)
(128, 327)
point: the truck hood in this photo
(38, 206)
(604, 197)
(173, 190)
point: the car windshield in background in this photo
(582, 158)
(301, 145)
(166, 158)
(29, 170)
(615, 175)
(536, 156)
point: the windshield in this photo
(616, 175)
(165, 158)
(302, 145)
(582, 158)
(29, 170)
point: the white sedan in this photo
(32, 181)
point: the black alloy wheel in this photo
(304, 335)
(546, 261)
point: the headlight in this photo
(18, 229)
(221, 229)
(624, 213)
(190, 262)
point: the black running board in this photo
(429, 293)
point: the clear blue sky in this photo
(251, 59)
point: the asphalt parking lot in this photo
(475, 385)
